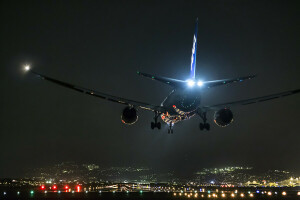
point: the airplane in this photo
(182, 103)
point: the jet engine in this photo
(223, 117)
(129, 115)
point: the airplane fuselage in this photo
(181, 105)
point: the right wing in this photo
(101, 95)
(251, 101)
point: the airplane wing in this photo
(250, 101)
(206, 84)
(101, 95)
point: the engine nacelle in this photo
(129, 115)
(223, 117)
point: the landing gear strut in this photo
(204, 125)
(170, 130)
(155, 124)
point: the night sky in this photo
(101, 44)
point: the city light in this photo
(298, 193)
(54, 187)
(18, 193)
(78, 188)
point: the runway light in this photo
(251, 195)
(66, 187)
(59, 192)
(78, 188)
(269, 193)
(242, 195)
(54, 187)
(190, 83)
(4, 193)
(31, 192)
(175, 194)
(18, 193)
(283, 193)
(223, 195)
(232, 195)
(298, 193)
(42, 187)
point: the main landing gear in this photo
(204, 125)
(155, 124)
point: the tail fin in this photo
(194, 52)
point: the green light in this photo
(31, 192)
(141, 191)
(153, 77)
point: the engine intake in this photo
(129, 115)
(223, 117)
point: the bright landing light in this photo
(199, 83)
(27, 67)
(191, 83)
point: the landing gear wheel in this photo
(201, 126)
(204, 126)
(158, 125)
(170, 130)
(155, 124)
(207, 126)
(152, 125)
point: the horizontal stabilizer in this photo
(191, 83)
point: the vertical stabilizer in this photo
(194, 52)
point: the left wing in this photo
(250, 101)
(101, 95)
